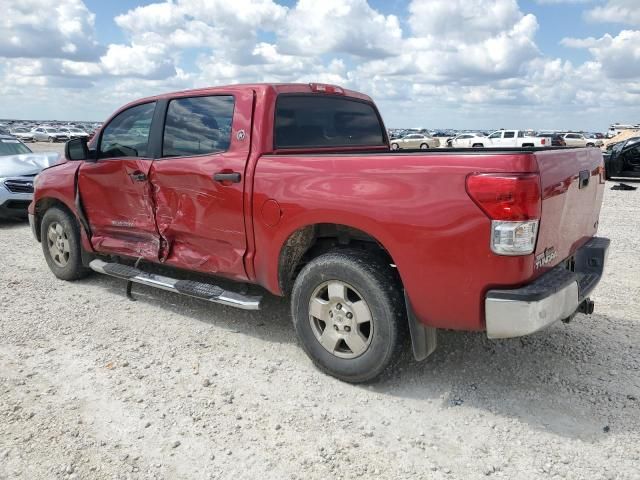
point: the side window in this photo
(520, 134)
(509, 134)
(496, 135)
(127, 135)
(197, 126)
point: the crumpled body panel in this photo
(119, 209)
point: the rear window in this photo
(304, 121)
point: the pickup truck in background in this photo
(294, 188)
(515, 139)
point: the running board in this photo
(203, 291)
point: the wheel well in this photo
(42, 206)
(311, 241)
(527, 145)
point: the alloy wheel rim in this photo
(58, 243)
(341, 319)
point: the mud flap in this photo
(424, 339)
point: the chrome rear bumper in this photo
(554, 296)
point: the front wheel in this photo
(478, 145)
(590, 145)
(61, 245)
(424, 146)
(348, 313)
(51, 139)
(394, 146)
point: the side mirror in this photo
(77, 149)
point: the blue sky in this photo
(433, 63)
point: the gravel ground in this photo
(95, 386)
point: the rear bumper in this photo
(554, 296)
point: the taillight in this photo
(543, 141)
(513, 203)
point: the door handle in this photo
(233, 177)
(138, 176)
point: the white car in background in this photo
(467, 140)
(516, 139)
(577, 140)
(21, 133)
(415, 140)
(73, 132)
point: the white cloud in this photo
(616, 11)
(619, 55)
(340, 26)
(45, 29)
(145, 61)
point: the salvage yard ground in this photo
(93, 385)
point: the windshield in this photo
(9, 146)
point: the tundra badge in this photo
(546, 257)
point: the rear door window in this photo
(509, 134)
(198, 126)
(304, 121)
(127, 135)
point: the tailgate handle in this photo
(584, 178)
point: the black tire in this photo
(378, 285)
(478, 145)
(591, 145)
(424, 146)
(52, 140)
(72, 269)
(395, 146)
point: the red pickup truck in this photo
(293, 187)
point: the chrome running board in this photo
(203, 291)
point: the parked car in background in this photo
(623, 160)
(556, 139)
(23, 134)
(594, 139)
(74, 133)
(467, 140)
(577, 140)
(415, 140)
(18, 167)
(49, 134)
(515, 139)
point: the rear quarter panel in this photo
(415, 205)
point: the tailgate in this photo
(572, 184)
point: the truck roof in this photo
(260, 87)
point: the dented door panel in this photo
(200, 219)
(118, 205)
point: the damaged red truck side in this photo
(294, 188)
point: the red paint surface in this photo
(414, 204)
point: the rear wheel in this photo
(478, 145)
(348, 313)
(590, 145)
(51, 139)
(394, 146)
(424, 146)
(61, 245)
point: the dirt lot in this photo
(95, 386)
